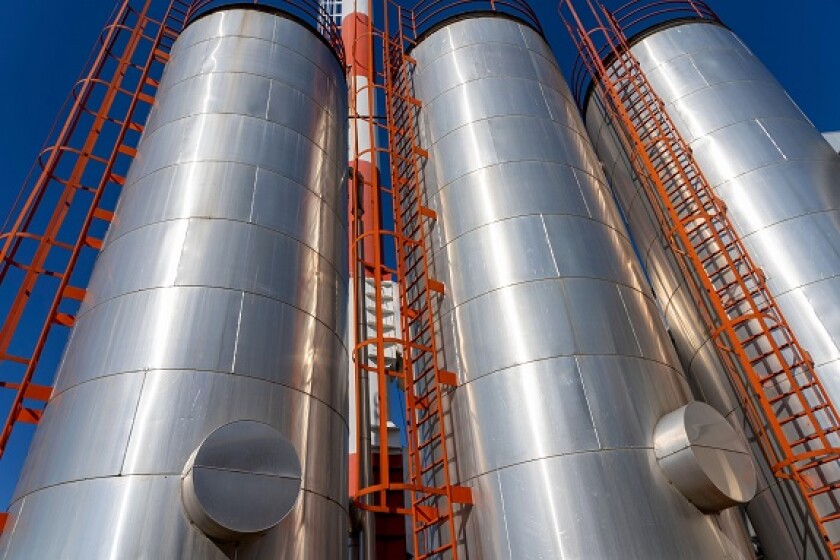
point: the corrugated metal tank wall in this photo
(564, 364)
(220, 295)
(778, 178)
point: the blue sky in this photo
(44, 43)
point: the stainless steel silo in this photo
(776, 175)
(219, 297)
(564, 364)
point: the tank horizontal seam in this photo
(287, 235)
(244, 376)
(215, 288)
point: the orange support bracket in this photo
(436, 286)
(462, 495)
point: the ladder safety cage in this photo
(57, 226)
(784, 401)
(371, 241)
(62, 214)
(426, 14)
(317, 14)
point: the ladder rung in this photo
(816, 463)
(435, 465)
(436, 552)
(428, 512)
(104, 215)
(784, 396)
(433, 522)
(65, 319)
(830, 518)
(816, 435)
(430, 416)
(93, 242)
(118, 179)
(820, 490)
(34, 392)
(126, 149)
(424, 405)
(15, 359)
(424, 444)
(802, 414)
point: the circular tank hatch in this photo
(704, 458)
(242, 480)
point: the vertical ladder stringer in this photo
(788, 409)
(82, 160)
(433, 493)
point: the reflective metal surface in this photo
(220, 295)
(778, 178)
(563, 362)
(704, 457)
(242, 480)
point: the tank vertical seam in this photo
(251, 218)
(582, 196)
(268, 102)
(504, 515)
(588, 404)
(180, 253)
(770, 137)
(550, 248)
(133, 423)
(238, 332)
(547, 104)
(630, 320)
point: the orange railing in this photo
(634, 18)
(310, 12)
(426, 14)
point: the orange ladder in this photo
(784, 400)
(433, 493)
(69, 206)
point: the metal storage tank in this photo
(777, 177)
(219, 297)
(564, 364)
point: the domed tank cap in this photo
(704, 458)
(242, 480)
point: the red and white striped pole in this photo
(356, 32)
